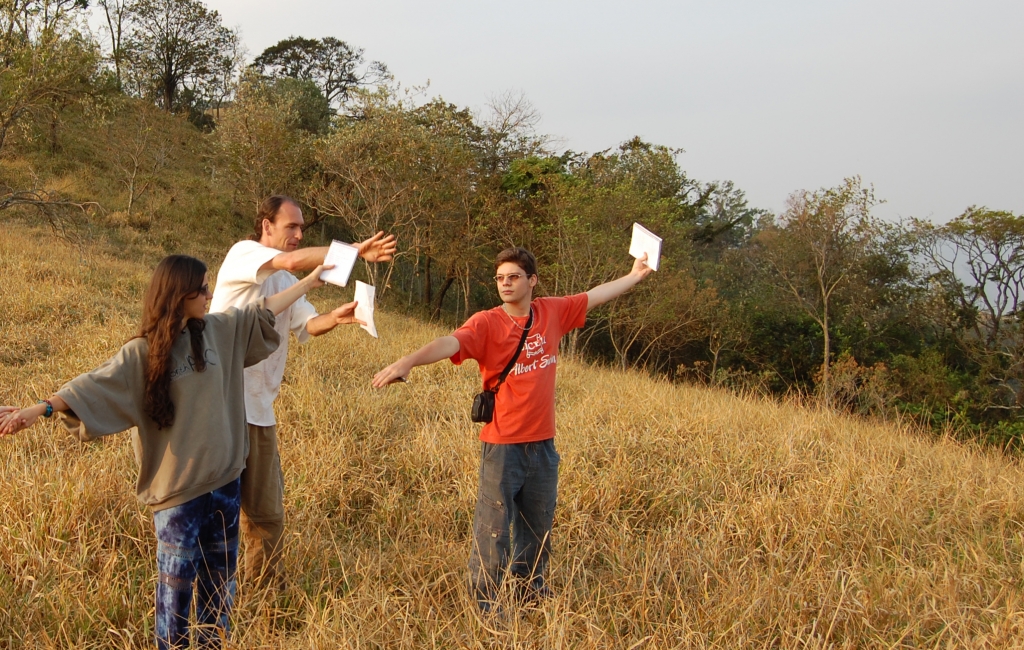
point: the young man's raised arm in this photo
(440, 348)
(602, 293)
(375, 249)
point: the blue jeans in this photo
(197, 543)
(514, 511)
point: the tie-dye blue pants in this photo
(197, 544)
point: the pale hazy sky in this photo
(922, 98)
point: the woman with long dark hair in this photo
(180, 382)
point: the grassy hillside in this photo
(687, 517)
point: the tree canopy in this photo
(332, 64)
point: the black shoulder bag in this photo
(483, 403)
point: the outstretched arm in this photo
(440, 348)
(300, 259)
(379, 248)
(602, 293)
(326, 322)
(278, 302)
(13, 420)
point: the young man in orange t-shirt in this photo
(519, 464)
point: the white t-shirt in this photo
(241, 282)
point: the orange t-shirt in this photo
(524, 408)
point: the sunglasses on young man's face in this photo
(512, 277)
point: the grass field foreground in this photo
(687, 517)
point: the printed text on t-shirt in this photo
(535, 345)
(189, 365)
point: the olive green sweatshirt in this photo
(206, 447)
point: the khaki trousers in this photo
(262, 520)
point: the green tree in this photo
(116, 13)
(410, 172)
(814, 254)
(45, 64)
(977, 264)
(262, 144)
(177, 48)
(333, 65)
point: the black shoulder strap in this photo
(515, 357)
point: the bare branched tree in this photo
(977, 264)
(58, 210)
(138, 152)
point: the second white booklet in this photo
(364, 309)
(343, 256)
(645, 241)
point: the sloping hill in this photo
(687, 517)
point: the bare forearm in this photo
(440, 348)
(12, 421)
(611, 290)
(57, 403)
(278, 302)
(321, 324)
(300, 259)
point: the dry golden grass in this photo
(687, 517)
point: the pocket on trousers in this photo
(553, 454)
(488, 450)
(494, 504)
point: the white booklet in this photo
(645, 241)
(343, 256)
(364, 310)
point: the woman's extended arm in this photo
(278, 302)
(13, 421)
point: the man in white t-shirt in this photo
(262, 266)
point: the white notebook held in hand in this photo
(645, 241)
(343, 256)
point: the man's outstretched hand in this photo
(344, 315)
(378, 248)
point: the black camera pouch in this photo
(483, 407)
(483, 403)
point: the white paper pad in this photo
(364, 310)
(343, 256)
(645, 241)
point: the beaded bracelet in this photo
(49, 407)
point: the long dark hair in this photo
(175, 278)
